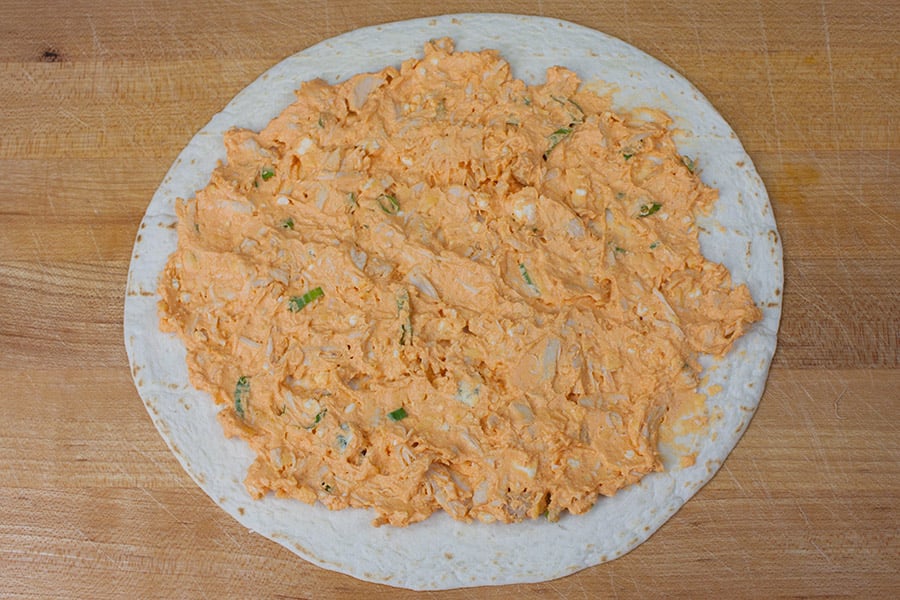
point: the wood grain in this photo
(97, 99)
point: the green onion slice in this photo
(317, 419)
(296, 303)
(388, 204)
(556, 137)
(241, 394)
(646, 210)
(267, 173)
(397, 415)
(577, 119)
(527, 277)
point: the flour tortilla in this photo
(441, 553)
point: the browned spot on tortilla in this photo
(241, 510)
(448, 556)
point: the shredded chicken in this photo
(439, 288)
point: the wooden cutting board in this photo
(97, 99)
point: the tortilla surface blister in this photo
(441, 553)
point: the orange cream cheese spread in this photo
(441, 288)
